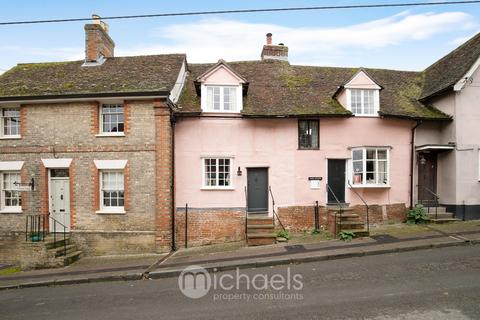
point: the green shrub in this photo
(315, 231)
(284, 234)
(346, 235)
(417, 215)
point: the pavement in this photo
(436, 284)
(140, 267)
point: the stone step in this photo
(444, 220)
(440, 215)
(260, 228)
(60, 251)
(437, 209)
(258, 239)
(351, 225)
(50, 244)
(70, 258)
(259, 221)
(358, 232)
(337, 209)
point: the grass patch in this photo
(399, 229)
(10, 270)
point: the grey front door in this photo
(257, 189)
(336, 180)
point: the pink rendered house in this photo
(274, 139)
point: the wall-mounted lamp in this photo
(239, 172)
(423, 160)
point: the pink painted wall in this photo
(221, 76)
(273, 143)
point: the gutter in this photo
(412, 158)
(43, 98)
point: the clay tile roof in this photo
(277, 88)
(155, 73)
(443, 74)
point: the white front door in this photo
(60, 203)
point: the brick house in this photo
(96, 138)
(269, 131)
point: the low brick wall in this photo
(94, 243)
(301, 218)
(379, 214)
(210, 226)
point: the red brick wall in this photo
(43, 188)
(96, 187)
(95, 118)
(164, 175)
(300, 218)
(382, 213)
(210, 226)
(73, 213)
(23, 121)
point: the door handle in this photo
(61, 197)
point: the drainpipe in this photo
(412, 159)
(172, 182)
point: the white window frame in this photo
(376, 102)
(217, 187)
(116, 209)
(3, 207)
(364, 183)
(209, 108)
(2, 124)
(100, 120)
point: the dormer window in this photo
(362, 95)
(221, 98)
(363, 102)
(221, 89)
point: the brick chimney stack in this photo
(98, 44)
(274, 52)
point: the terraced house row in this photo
(126, 153)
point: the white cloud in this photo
(210, 39)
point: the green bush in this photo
(346, 235)
(315, 231)
(284, 234)
(417, 215)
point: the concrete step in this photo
(60, 251)
(444, 220)
(50, 244)
(337, 209)
(259, 221)
(258, 239)
(70, 258)
(358, 232)
(260, 228)
(433, 209)
(351, 225)
(440, 215)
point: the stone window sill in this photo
(10, 137)
(370, 186)
(120, 134)
(11, 210)
(217, 189)
(111, 212)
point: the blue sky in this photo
(398, 38)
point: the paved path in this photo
(428, 284)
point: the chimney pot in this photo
(269, 38)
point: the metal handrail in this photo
(55, 222)
(273, 209)
(437, 197)
(246, 213)
(364, 202)
(37, 227)
(339, 206)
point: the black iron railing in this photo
(274, 211)
(340, 208)
(435, 200)
(246, 212)
(38, 226)
(365, 203)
